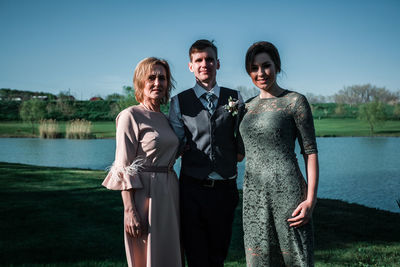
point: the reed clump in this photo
(79, 129)
(49, 129)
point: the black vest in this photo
(211, 139)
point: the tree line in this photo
(366, 102)
(358, 94)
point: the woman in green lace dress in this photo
(277, 201)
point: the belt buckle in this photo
(209, 184)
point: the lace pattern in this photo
(273, 185)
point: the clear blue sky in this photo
(91, 47)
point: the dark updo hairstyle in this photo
(262, 47)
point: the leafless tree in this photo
(247, 92)
(358, 94)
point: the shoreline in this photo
(329, 127)
(56, 168)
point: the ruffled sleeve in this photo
(124, 172)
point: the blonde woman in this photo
(143, 171)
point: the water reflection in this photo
(88, 154)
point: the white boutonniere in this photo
(232, 106)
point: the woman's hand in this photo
(302, 214)
(132, 224)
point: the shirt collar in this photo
(199, 91)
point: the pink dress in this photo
(145, 138)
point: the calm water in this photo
(360, 170)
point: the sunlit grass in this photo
(354, 127)
(99, 129)
(104, 129)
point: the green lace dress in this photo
(273, 183)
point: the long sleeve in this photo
(305, 126)
(123, 174)
(241, 112)
(175, 119)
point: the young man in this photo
(211, 147)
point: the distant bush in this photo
(61, 110)
(79, 129)
(94, 110)
(343, 111)
(32, 111)
(65, 110)
(396, 112)
(333, 110)
(9, 110)
(49, 129)
(372, 112)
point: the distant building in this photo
(96, 98)
(40, 97)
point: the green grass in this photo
(323, 127)
(354, 127)
(63, 217)
(101, 129)
(18, 129)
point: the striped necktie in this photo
(210, 103)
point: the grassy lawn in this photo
(324, 128)
(101, 129)
(63, 217)
(354, 127)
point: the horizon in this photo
(91, 48)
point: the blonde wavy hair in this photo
(142, 72)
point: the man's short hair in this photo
(201, 45)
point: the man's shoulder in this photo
(228, 89)
(186, 91)
(229, 92)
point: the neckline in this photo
(276, 97)
(143, 106)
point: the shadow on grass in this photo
(69, 219)
(63, 226)
(338, 226)
(52, 215)
(387, 132)
(338, 223)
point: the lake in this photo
(361, 170)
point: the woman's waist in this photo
(155, 168)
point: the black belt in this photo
(208, 182)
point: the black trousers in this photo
(206, 221)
